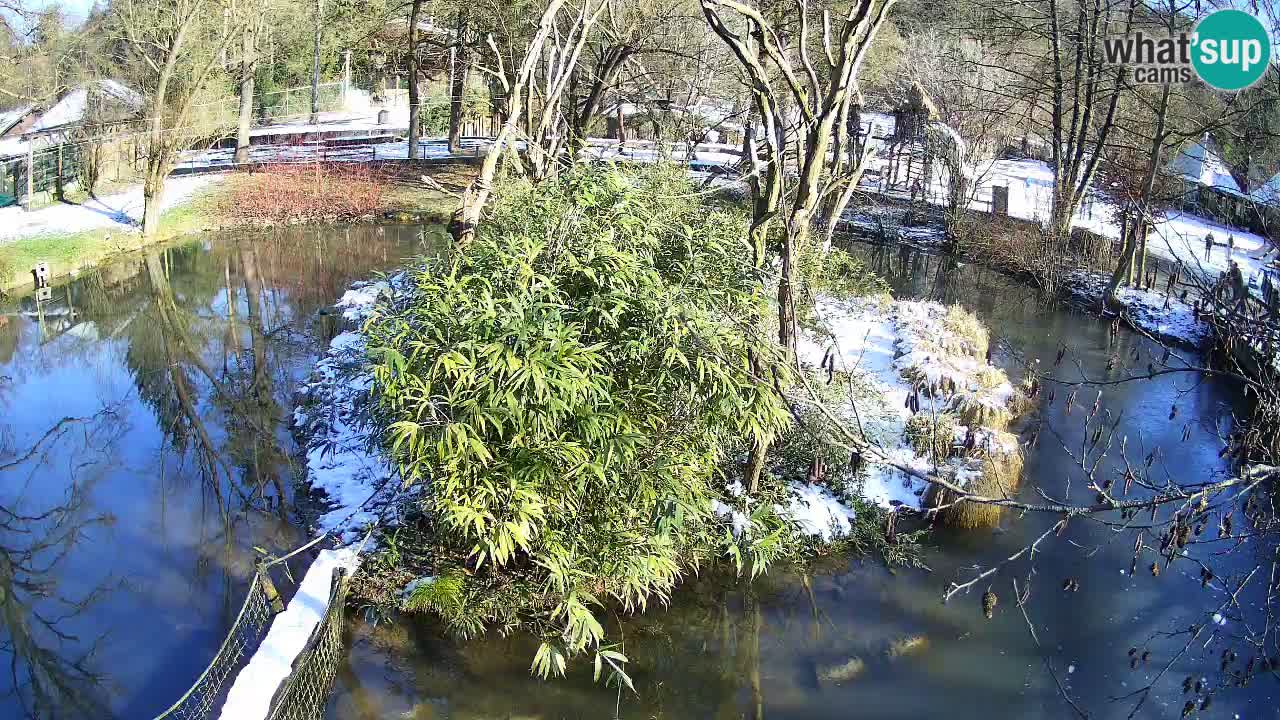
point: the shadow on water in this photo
(145, 451)
(850, 638)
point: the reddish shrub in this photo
(308, 191)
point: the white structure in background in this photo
(1268, 193)
(1200, 166)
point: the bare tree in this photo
(823, 103)
(415, 102)
(248, 66)
(459, 74)
(465, 219)
(315, 63)
(172, 50)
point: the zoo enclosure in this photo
(45, 170)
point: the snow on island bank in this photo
(908, 367)
(1162, 316)
(347, 466)
(345, 462)
(907, 360)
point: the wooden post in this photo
(268, 587)
(31, 183)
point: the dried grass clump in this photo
(986, 405)
(976, 409)
(307, 192)
(1018, 247)
(943, 383)
(995, 474)
(932, 436)
(966, 325)
(1024, 400)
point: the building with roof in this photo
(1209, 190)
(84, 135)
(97, 103)
(16, 121)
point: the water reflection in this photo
(54, 670)
(849, 638)
(128, 536)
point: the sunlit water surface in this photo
(730, 649)
(145, 451)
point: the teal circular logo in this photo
(1231, 50)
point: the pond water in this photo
(145, 452)
(731, 649)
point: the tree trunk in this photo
(788, 326)
(1141, 241)
(606, 70)
(465, 219)
(152, 197)
(415, 102)
(1139, 223)
(315, 67)
(755, 465)
(248, 65)
(458, 85)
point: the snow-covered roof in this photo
(9, 118)
(1199, 164)
(1268, 193)
(12, 147)
(72, 107)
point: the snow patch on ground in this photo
(738, 519)
(122, 211)
(251, 693)
(344, 460)
(817, 512)
(892, 352)
(1165, 318)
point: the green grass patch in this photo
(69, 253)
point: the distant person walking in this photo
(1231, 245)
(1238, 290)
(1208, 247)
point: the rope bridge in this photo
(304, 693)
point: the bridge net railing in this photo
(204, 698)
(304, 694)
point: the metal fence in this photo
(207, 693)
(305, 692)
(45, 170)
